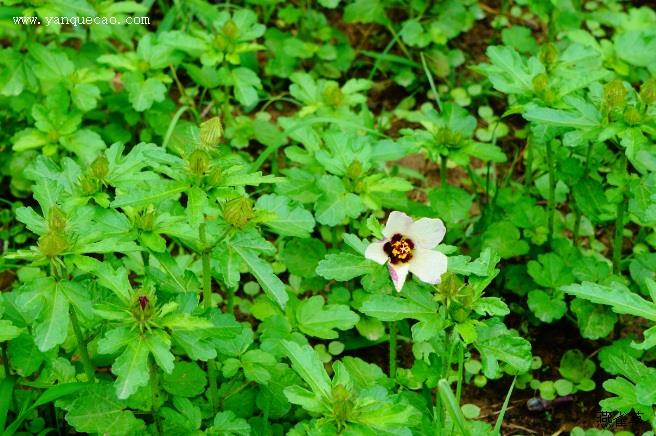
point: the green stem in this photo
(5, 360)
(461, 364)
(619, 230)
(231, 300)
(84, 353)
(392, 350)
(207, 273)
(207, 302)
(154, 390)
(528, 172)
(552, 195)
(172, 124)
(577, 220)
(443, 171)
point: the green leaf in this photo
(319, 320)
(257, 365)
(8, 331)
(617, 296)
(227, 424)
(509, 73)
(497, 344)
(306, 362)
(143, 93)
(366, 11)
(547, 308)
(576, 367)
(344, 266)
(262, 271)
(450, 203)
(186, 380)
(550, 272)
(390, 308)
(335, 204)
(595, 321)
(131, 367)
(246, 84)
(286, 220)
(147, 192)
(97, 410)
(301, 256)
(53, 325)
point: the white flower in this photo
(408, 247)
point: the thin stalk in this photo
(619, 230)
(392, 350)
(154, 391)
(231, 300)
(5, 360)
(172, 124)
(552, 195)
(84, 353)
(577, 220)
(207, 276)
(528, 172)
(461, 365)
(207, 302)
(443, 171)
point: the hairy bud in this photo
(99, 168)
(548, 54)
(56, 220)
(540, 82)
(230, 29)
(648, 92)
(632, 116)
(614, 94)
(239, 211)
(52, 244)
(211, 132)
(354, 170)
(199, 162)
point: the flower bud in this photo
(211, 132)
(52, 244)
(215, 176)
(548, 54)
(540, 82)
(199, 162)
(354, 170)
(88, 184)
(632, 116)
(648, 92)
(614, 94)
(143, 301)
(332, 94)
(56, 220)
(342, 404)
(230, 29)
(145, 219)
(99, 168)
(239, 211)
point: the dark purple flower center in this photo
(399, 249)
(143, 302)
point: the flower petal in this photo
(397, 222)
(428, 265)
(376, 253)
(427, 232)
(398, 274)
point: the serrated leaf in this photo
(344, 266)
(319, 320)
(131, 367)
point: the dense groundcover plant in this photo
(342, 217)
